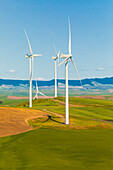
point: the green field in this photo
(84, 113)
(10, 102)
(58, 149)
(87, 143)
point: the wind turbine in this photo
(55, 59)
(30, 56)
(67, 57)
(38, 92)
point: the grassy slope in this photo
(84, 117)
(57, 149)
(63, 148)
(88, 102)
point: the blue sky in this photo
(46, 21)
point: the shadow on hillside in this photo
(55, 120)
(46, 120)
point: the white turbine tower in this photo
(30, 69)
(38, 92)
(67, 57)
(55, 59)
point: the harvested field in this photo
(18, 97)
(14, 120)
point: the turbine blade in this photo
(29, 43)
(69, 36)
(58, 56)
(76, 71)
(42, 94)
(36, 55)
(55, 49)
(63, 61)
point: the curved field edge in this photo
(95, 117)
(96, 114)
(15, 120)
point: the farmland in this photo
(58, 149)
(84, 113)
(87, 143)
(14, 120)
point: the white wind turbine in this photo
(38, 92)
(55, 59)
(67, 57)
(30, 69)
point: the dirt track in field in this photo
(73, 105)
(14, 120)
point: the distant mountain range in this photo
(87, 81)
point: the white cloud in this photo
(41, 78)
(100, 69)
(11, 71)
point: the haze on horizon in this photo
(47, 22)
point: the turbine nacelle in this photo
(34, 55)
(54, 58)
(30, 69)
(28, 56)
(31, 55)
(57, 53)
(65, 55)
(66, 58)
(37, 55)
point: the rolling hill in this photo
(87, 81)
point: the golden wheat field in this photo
(14, 120)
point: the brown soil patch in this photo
(19, 98)
(92, 97)
(14, 120)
